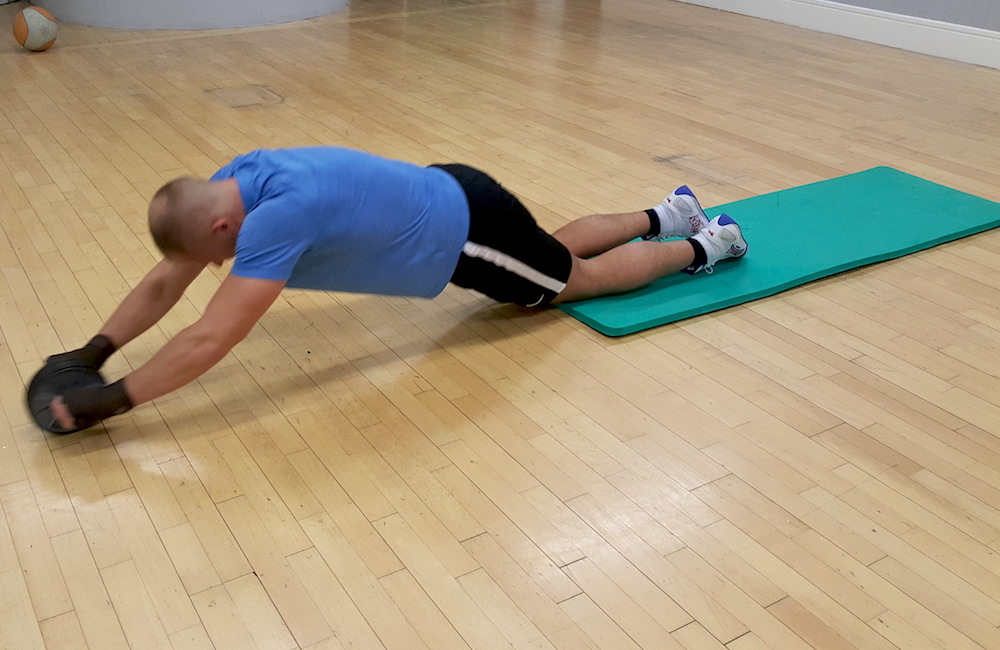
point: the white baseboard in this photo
(947, 40)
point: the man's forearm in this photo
(183, 359)
(140, 310)
(149, 301)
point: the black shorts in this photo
(507, 257)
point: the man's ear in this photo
(221, 224)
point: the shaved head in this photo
(174, 212)
(197, 219)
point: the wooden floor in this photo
(819, 469)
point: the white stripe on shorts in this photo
(515, 266)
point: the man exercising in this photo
(336, 219)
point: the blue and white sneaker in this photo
(680, 215)
(722, 239)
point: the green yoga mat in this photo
(799, 235)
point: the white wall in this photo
(918, 34)
(984, 14)
(186, 14)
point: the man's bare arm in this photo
(236, 307)
(151, 299)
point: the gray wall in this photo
(984, 14)
(186, 14)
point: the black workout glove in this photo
(94, 354)
(90, 405)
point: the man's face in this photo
(214, 247)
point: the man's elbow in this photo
(211, 344)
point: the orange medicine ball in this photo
(35, 29)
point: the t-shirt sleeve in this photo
(271, 240)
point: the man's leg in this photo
(599, 233)
(678, 215)
(625, 267)
(607, 260)
(637, 263)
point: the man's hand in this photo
(93, 355)
(84, 407)
(61, 413)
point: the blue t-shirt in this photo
(343, 220)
